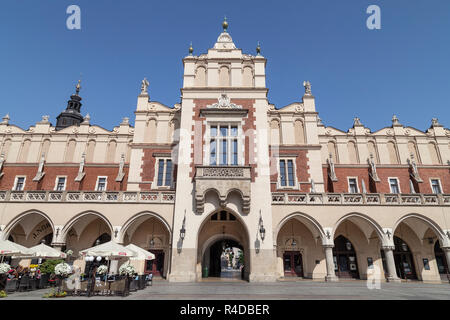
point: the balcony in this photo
(85, 196)
(222, 180)
(365, 199)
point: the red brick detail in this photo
(301, 164)
(148, 166)
(47, 183)
(403, 175)
(248, 128)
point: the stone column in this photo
(390, 264)
(331, 276)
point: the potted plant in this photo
(62, 271)
(4, 269)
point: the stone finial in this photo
(307, 86)
(45, 119)
(435, 123)
(225, 24)
(6, 119)
(144, 86)
(258, 49)
(319, 121)
(87, 119)
(125, 121)
(191, 49)
(357, 122)
(395, 121)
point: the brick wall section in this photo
(302, 168)
(248, 127)
(403, 175)
(148, 168)
(47, 183)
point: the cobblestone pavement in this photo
(237, 290)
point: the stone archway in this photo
(152, 233)
(414, 253)
(299, 248)
(221, 230)
(30, 228)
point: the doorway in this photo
(226, 260)
(345, 262)
(441, 261)
(156, 266)
(404, 262)
(293, 264)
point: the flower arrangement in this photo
(55, 294)
(34, 267)
(63, 269)
(103, 269)
(69, 252)
(4, 268)
(3, 294)
(127, 269)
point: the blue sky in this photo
(402, 69)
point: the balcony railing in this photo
(85, 196)
(366, 199)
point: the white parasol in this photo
(109, 249)
(142, 254)
(45, 252)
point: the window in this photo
(352, 185)
(287, 176)
(393, 184)
(60, 183)
(101, 184)
(164, 173)
(436, 186)
(19, 184)
(223, 145)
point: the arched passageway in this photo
(30, 229)
(150, 232)
(404, 260)
(223, 247)
(345, 262)
(441, 261)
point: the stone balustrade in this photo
(88, 196)
(360, 199)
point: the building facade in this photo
(299, 198)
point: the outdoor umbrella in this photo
(45, 252)
(109, 249)
(142, 254)
(9, 248)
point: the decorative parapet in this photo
(222, 179)
(82, 196)
(360, 199)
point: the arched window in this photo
(299, 132)
(332, 151)
(274, 132)
(393, 158)
(90, 151)
(224, 77)
(352, 152)
(128, 151)
(111, 151)
(5, 147)
(24, 151)
(70, 151)
(247, 77)
(44, 149)
(434, 153)
(373, 150)
(200, 77)
(151, 131)
(413, 150)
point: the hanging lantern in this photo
(99, 258)
(152, 242)
(348, 245)
(294, 243)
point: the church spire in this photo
(71, 116)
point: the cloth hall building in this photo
(300, 199)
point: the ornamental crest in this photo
(224, 103)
